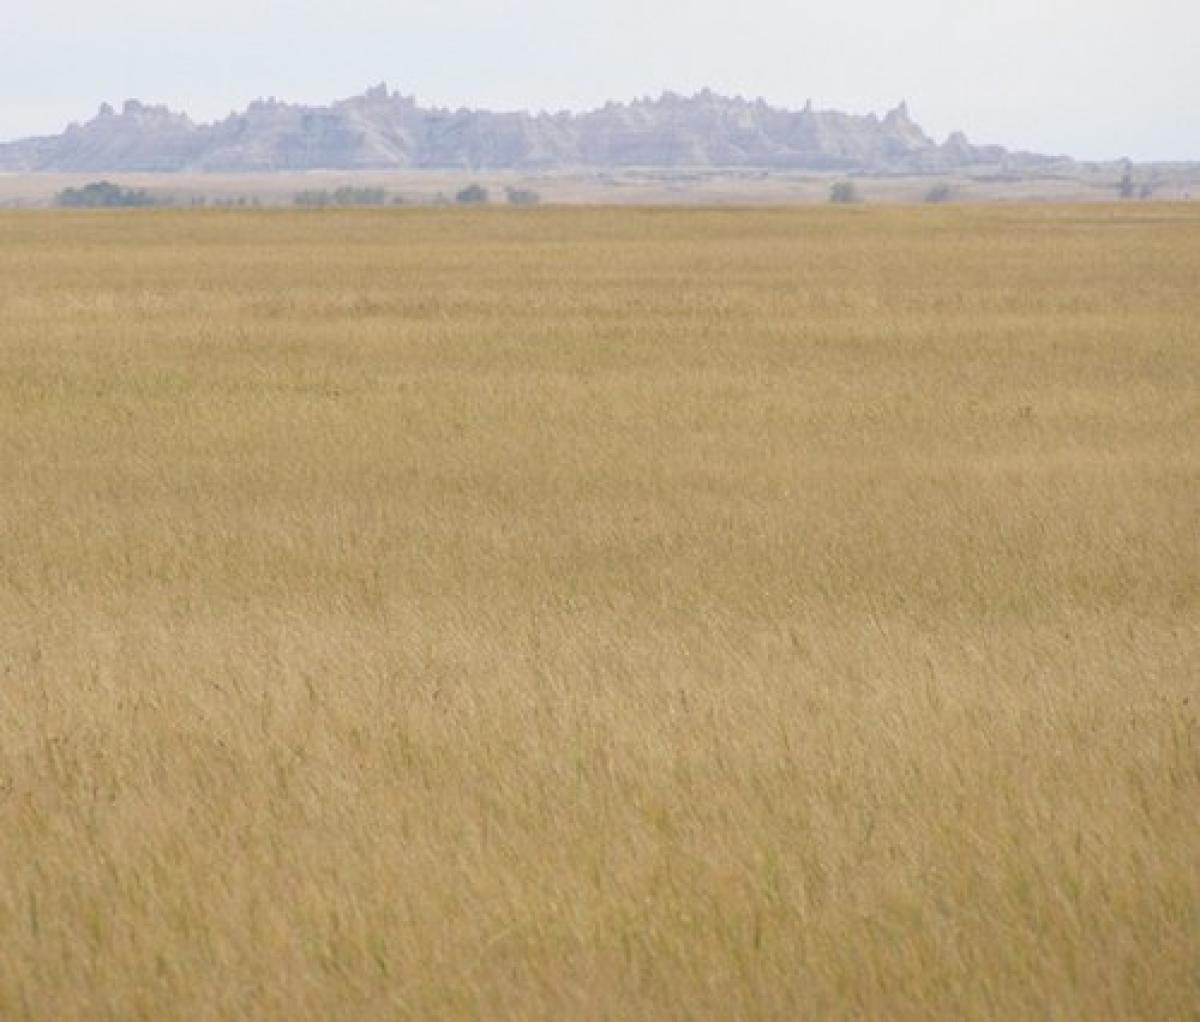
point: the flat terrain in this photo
(600, 614)
(624, 186)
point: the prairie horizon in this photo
(629, 187)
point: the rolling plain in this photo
(600, 613)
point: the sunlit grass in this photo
(600, 614)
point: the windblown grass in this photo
(599, 614)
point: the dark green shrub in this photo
(844, 192)
(472, 195)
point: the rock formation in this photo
(382, 129)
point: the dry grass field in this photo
(600, 614)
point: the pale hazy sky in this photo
(1092, 78)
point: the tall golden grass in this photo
(600, 614)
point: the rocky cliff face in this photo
(382, 129)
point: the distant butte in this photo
(382, 129)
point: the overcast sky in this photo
(1092, 78)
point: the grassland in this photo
(600, 614)
(621, 186)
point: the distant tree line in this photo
(103, 194)
(345, 196)
(477, 195)
(106, 194)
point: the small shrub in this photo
(522, 196)
(472, 195)
(844, 192)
